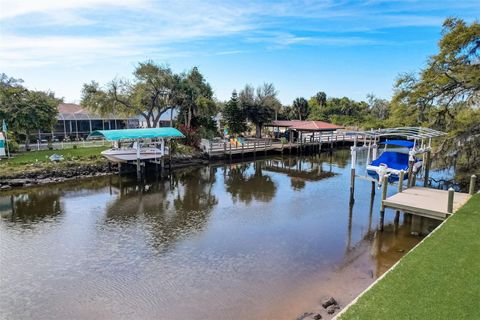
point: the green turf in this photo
(440, 279)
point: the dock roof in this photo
(131, 134)
(305, 125)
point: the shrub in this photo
(192, 136)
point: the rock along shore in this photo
(60, 174)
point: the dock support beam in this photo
(353, 152)
(411, 162)
(427, 168)
(384, 196)
(473, 181)
(400, 189)
(451, 194)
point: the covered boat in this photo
(137, 144)
(395, 158)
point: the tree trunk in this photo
(27, 141)
(171, 117)
(258, 130)
(149, 124)
(189, 117)
(300, 116)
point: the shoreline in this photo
(83, 171)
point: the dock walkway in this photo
(225, 148)
(426, 202)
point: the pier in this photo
(426, 202)
(252, 146)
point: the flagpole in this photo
(6, 145)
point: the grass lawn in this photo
(440, 279)
(34, 161)
(42, 156)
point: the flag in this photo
(4, 126)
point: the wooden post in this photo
(410, 173)
(400, 189)
(230, 151)
(139, 168)
(451, 194)
(170, 154)
(255, 148)
(384, 196)
(243, 145)
(400, 181)
(473, 181)
(265, 147)
(427, 168)
(319, 141)
(224, 148)
(353, 152)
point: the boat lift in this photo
(158, 136)
(422, 141)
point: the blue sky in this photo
(345, 48)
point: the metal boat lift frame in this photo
(422, 141)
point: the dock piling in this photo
(473, 181)
(451, 194)
(427, 168)
(384, 196)
(400, 181)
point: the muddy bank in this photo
(66, 172)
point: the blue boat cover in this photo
(400, 143)
(147, 133)
(393, 160)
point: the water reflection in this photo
(247, 181)
(193, 244)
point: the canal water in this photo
(263, 239)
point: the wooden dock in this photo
(425, 202)
(254, 146)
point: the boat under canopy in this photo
(142, 144)
(392, 161)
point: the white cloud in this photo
(42, 32)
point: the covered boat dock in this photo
(155, 136)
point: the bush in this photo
(192, 136)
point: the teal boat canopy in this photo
(144, 133)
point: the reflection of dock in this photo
(304, 175)
(425, 202)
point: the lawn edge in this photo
(354, 301)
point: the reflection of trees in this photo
(173, 207)
(297, 184)
(35, 206)
(246, 186)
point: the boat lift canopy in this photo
(411, 133)
(134, 134)
(399, 143)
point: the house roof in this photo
(305, 125)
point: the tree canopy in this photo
(301, 106)
(259, 106)
(234, 116)
(26, 110)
